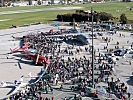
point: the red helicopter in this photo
(32, 54)
(36, 56)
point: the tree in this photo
(103, 16)
(123, 19)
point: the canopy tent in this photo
(48, 76)
(101, 89)
(90, 89)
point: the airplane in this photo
(16, 85)
(82, 37)
(12, 84)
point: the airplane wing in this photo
(21, 85)
(3, 84)
(40, 76)
(87, 34)
(17, 88)
(62, 35)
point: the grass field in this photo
(116, 9)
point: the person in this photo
(123, 97)
(21, 79)
(51, 89)
(129, 95)
(30, 76)
(52, 98)
(130, 63)
(46, 89)
(75, 96)
(16, 82)
(95, 93)
(40, 97)
(61, 87)
(7, 56)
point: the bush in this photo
(80, 11)
(80, 17)
(123, 19)
(67, 17)
(103, 16)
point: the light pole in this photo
(92, 50)
(30, 2)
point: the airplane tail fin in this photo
(3, 84)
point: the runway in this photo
(37, 10)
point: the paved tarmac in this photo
(10, 70)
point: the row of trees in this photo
(81, 15)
